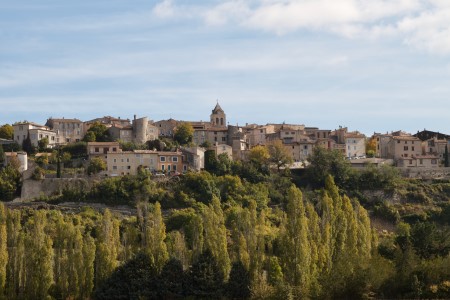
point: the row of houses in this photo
(422, 149)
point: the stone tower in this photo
(218, 117)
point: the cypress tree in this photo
(446, 158)
(238, 286)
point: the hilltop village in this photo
(423, 150)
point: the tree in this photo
(133, 280)
(371, 147)
(296, 254)
(259, 157)
(205, 279)
(446, 157)
(279, 155)
(97, 133)
(2, 155)
(324, 162)
(153, 235)
(184, 133)
(96, 165)
(3, 248)
(43, 144)
(27, 146)
(238, 286)
(107, 247)
(7, 132)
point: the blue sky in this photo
(371, 65)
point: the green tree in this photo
(296, 254)
(3, 248)
(259, 156)
(16, 267)
(107, 248)
(38, 257)
(205, 278)
(279, 155)
(184, 133)
(2, 155)
(238, 286)
(216, 235)
(43, 144)
(446, 157)
(7, 132)
(96, 165)
(324, 162)
(27, 146)
(97, 133)
(133, 280)
(153, 235)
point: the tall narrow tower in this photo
(218, 117)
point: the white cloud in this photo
(165, 9)
(423, 24)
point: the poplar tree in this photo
(155, 234)
(87, 280)
(107, 247)
(38, 257)
(296, 255)
(3, 248)
(15, 269)
(216, 235)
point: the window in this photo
(224, 139)
(406, 142)
(129, 167)
(40, 136)
(184, 168)
(433, 161)
(421, 161)
(174, 168)
(405, 148)
(128, 160)
(398, 142)
(168, 168)
(162, 158)
(410, 161)
(163, 167)
(412, 148)
(97, 149)
(115, 160)
(114, 149)
(305, 147)
(114, 167)
(67, 140)
(174, 159)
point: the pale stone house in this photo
(194, 157)
(128, 162)
(37, 132)
(404, 146)
(67, 130)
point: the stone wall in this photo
(425, 173)
(51, 186)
